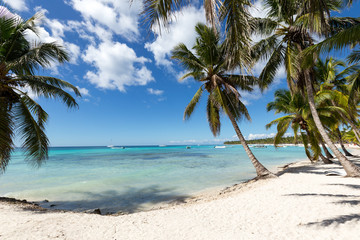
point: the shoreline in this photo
(199, 196)
(302, 203)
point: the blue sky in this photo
(130, 88)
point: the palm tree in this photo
(209, 67)
(292, 24)
(298, 117)
(19, 60)
(333, 84)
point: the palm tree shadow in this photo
(313, 169)
(350, 202)
(336, 220)
(110, 202)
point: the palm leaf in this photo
(32, 131)
(187, 59)
(213, 116)
(6, 134)
(194, 101)
(41, 55)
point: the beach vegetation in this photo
(288, 31)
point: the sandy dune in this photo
(303, 203)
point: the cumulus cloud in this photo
(181, 30)
(116, 66)
(19, 5)
(116, 16)
(155, 91)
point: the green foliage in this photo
(283, 140)
(19, 61)
(208, 66)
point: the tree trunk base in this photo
(266, 176)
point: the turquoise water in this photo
(134, 178)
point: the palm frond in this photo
(32, 130)
(186, 58)
(49, 87)
(282, 127)
(41, 55)
(213, 116)
(237, 31)
(268, 74)
(263, 26)
(159, 12)
(354, 57)
(191, 106)
(338, 41)
(242, 82)
(6, 134)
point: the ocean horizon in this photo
(134, 178)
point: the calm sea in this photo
(134, 178)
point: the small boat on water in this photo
(259, 146)
(188, 147)
(118, 148)
(162, 145)
(220, 147)
(110, 146)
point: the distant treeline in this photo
(284, 140)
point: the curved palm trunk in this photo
(325, 160)
(350, 168)
(326, 151)
(261, 171)
(342, 144)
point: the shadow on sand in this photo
(111, 202)
(336, 220)
(313, 169)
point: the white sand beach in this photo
(302, 203)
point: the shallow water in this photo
(134, 178)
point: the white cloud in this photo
(117, 16)
(26, 89)
(257, 9)
(265, 135)
(260, 135)
(155, 91)
(181, 30)
(83, 91)
(116, 66)
(4, 12)
(18, 5)
(248, 97)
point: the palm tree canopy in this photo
(19, 61)
(287, 30)
(207, 65)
